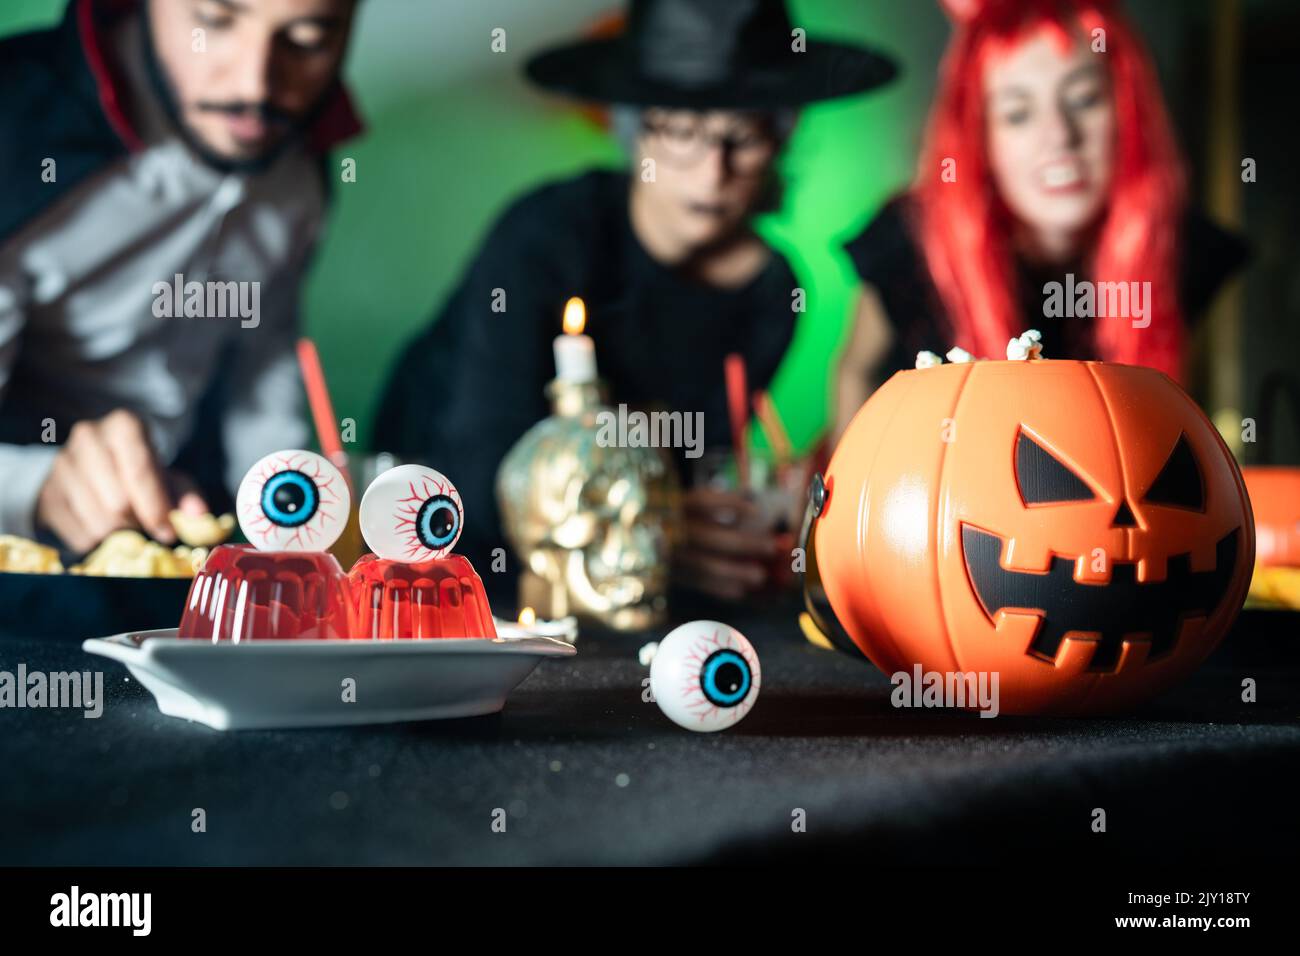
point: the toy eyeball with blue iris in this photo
(411, 514)
(293, 501)
(705, 676)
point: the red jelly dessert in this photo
(440, 598)
(244, 594)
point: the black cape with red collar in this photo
(61, 99)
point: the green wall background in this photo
(443, 155)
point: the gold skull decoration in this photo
(593, 523)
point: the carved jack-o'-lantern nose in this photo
(1124, 517)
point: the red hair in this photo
(965, 227)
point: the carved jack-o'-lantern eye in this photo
(1179, 483)
(1043, 478)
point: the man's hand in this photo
(726, 549)
(104, 478)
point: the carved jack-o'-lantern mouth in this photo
(1104, 612)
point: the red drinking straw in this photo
(322, 409)
(738, 410)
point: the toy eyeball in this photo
(411, 514)
(293, 501)
(705, 676)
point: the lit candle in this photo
(575, 353)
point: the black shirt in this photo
(470, 385)
(888, 256)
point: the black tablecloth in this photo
(589, 773)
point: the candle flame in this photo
(575, 316)
(527, 617)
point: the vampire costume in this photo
(99, 211)
(467, 388)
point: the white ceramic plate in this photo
(301, 683)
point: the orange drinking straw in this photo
(322, 409)
(738, 410)
(773, 427)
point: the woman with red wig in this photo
(1050, 191)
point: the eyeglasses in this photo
(685, 141)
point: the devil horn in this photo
(962, 11)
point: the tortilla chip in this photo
(201, 531)
(129, 554)
(27, 557)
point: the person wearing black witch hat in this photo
(704, 95)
